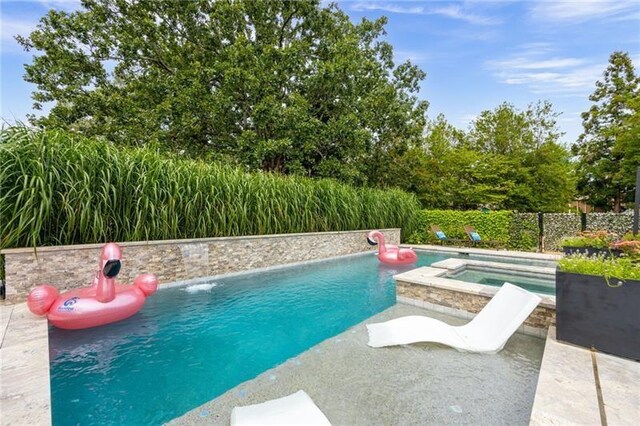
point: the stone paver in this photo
(5, 314)
(567, 392)
(25, 397)
(620, 384)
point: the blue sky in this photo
(476, 54)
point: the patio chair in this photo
(295, 409)
(442, 237)
(486, 333)
(475, 237)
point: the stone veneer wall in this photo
(616, 223)
(73, 266)
(557, 226)
(541, 317)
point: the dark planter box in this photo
(591, 314)
(591, 251)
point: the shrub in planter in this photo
(590, 243)
(629, 245)
(597, 303)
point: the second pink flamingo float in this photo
(390, 254)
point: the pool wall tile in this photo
(177, 260)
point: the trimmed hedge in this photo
(513, 230)
(58, 188)
(525, 232)
(494, 225)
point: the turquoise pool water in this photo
(183, 349)
(543, 284)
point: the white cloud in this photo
(11, 28)
(525, 63)
(415, 57)
(580, 11)
(543, 74)
(456, 12)
(386, 7)
(452, 11)
(66, 5)
(467, 118)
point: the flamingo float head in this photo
(376, 238)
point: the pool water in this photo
(183, 349)
(544, 284)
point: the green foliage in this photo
(493, 226)
(595, 239)
(517, 231)
(285, 86)
(525, 232)
(521, 149)
(60, 188)
(622, 268)
(630, 237)
(509, 160)
(609, 148)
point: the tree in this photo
(275, 85)
(521, 148)
(607, 145)
(509, 159)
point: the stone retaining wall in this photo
(541, 317)
(73, 266)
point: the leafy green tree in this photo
(285, 86)
(607, 149)
(527, 168)
(510, 159)
(628, 147)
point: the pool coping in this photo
(488, 252)
(455, 266)
(433, 277)
(580, 386)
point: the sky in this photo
(476, 53)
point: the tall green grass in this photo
(60, 188)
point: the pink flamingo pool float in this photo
(104, 302)
(392, 255)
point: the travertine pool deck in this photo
(571, 391)
(354, 384)
(25, 397)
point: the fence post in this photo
(636, 206)
(541, 232)
(583, 221)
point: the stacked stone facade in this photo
(69, 267)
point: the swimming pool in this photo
(486, 258)
(537, 283)
(183, 349)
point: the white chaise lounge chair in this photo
(487, 332)
(296, 409)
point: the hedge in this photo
(60, 188)
(513, 230)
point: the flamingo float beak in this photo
(372, 242)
